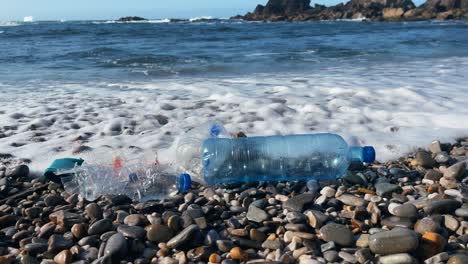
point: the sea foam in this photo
(395, 108)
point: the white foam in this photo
(193, 19)
(396, 108)
(9, 24)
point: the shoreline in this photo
(411, 209)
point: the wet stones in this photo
(337, 233)
(395, 241)
(297, 203)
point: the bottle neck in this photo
(355, 154)
(361, 154)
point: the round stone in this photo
(352, 200)
(100, 227)
(93, 211)
(135, 232)
(331, 255)
(64, 257)
(458, 259)
(337, 233)
(116, 245)
(401, 258)
(426, 224)
(407, 210)
(462, 212)
(424, 159)
(159, 233)
(135, 220)
(78, 230)
(36, 248)
(236, 253)
(398, 240)
(431, 244)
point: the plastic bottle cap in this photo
(215, 130)
(368, 154)
(184, 182)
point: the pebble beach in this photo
(410, 210)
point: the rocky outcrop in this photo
(131, 19)
(376, 10)
(279, 10)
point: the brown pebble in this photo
(64, 257)
(214, 258)
(78, 231)
(237, 254)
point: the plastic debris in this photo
(139, 179)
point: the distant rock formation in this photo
(131, 19)
(375, 10)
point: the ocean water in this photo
(137, 86)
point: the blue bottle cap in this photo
(215, 130)
(184, 182)
(368, 154)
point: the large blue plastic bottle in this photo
(280, 158)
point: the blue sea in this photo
(142, 85)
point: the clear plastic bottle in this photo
(140, 179)
(189, 148)
(280, 158)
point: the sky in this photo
(16, 10)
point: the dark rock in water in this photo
(394, 241)
(20, 171)
(297, 203)
(337, 233)
(376, 10)
(116, 245)
(131, 19)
